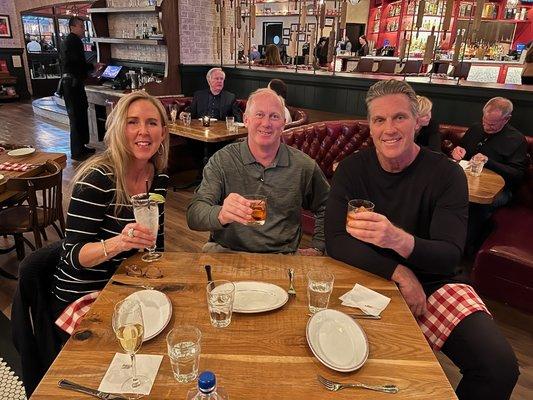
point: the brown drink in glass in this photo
(356, 206)
(259, 207)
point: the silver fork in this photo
(335, 386)
(291, 290)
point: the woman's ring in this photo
(131, 233)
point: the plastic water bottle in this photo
(207, 388)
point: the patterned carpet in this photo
(10, 385)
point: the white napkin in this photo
(368, 301)
(464, 164)
(120, 370)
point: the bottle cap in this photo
(207, 382)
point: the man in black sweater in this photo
(215, 101)
(75, 70)
(415, 237)
(504, 150)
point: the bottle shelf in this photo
(114, 10)
(133, 41)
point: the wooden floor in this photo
(19, 125)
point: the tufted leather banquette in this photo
(299, 117)
(330, 142)
(503, 268)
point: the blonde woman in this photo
(427, 134)
(272, 56)
(101, 230)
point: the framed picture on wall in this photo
(286, 31)
(328, 21)
(286, 41)
(294, 27)
(301, 37)
(5, 27)
(310, 26)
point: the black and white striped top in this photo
(91, 217)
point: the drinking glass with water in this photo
(319, 288)
(220, 297)
(146, 213)
(183, 345)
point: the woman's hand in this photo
(133, 236)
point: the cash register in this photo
(113, 77)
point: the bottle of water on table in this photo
(207, 388)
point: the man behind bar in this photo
(415, 237)
(75, 71)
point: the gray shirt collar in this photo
(281, 159)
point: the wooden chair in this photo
(365, 65)
(44, 208)
(386, 67)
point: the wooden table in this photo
(259, 356)
(217, 132)
(483, 189)
(39, 157)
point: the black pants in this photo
(486, 360)
(527, 80)
(77, 105)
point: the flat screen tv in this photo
(111, 71)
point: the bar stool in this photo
(386, 67)
(411, 67)
(365, 65)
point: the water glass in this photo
(476, 166)
(186, 118)
(173, 113)
(259, 207)
(230, 123)
(319, 288)
(220, 297)
(183, 345)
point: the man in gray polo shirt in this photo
(260, 165)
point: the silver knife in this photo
(65, 384)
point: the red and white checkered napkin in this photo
(71, 317)
(446, 308)
(20, 167)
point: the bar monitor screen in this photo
(111, 71)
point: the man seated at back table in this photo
(415, 237)
(504, 150)
(260, 165)
(215, 101)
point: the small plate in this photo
(239, 124)
(21, 152)
(1, 177)
(337, 340)
(210, 119)
(157, 311)
(256, 297)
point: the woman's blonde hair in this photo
(272, 56)
(116, 158)
(424, 105)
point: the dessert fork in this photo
(335, 386)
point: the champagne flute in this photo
(146, 213)
(173, 113)
(128, 326)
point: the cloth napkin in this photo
(21, 167)
(368, 301)
(120, 370)
(71, 317)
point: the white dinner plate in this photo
(210, 119)
(239, 124)
(157, 311)
(21, 152)
(256, 297)
(337, 340)
(1, 177)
